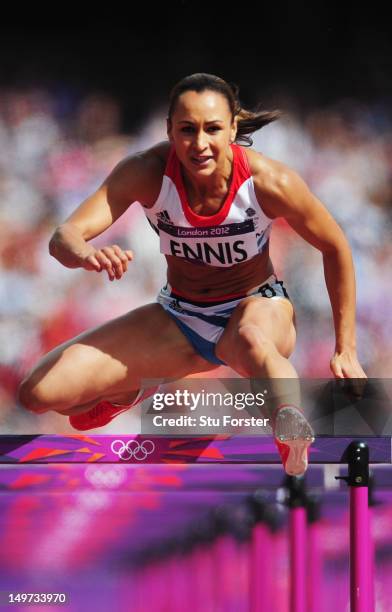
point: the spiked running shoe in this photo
(293, 436)
(104, 412)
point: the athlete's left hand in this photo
(345, 365)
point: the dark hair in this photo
(248, 121)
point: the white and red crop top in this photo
(236, 233)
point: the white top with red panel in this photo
(236, 233)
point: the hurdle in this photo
(135, 449)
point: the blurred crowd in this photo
(55, 151)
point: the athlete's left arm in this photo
(285, 194)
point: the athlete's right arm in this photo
(130, 181)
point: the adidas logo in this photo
(250, 212)
(174, 305)
(164, 216)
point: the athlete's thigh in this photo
(116, 356)
(274, 317)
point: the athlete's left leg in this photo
(259, 338)
(256, 343)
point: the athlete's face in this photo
(201, 129)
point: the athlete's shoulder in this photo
(272, 179)
(143, 170)
(263, 167)
(159, 152)
(153, 159)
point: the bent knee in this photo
(250, 339)
(252, 348)
(32, 396)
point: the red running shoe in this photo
(104, 412)
(293, 436)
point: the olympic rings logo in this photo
(132, 449)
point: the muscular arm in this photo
(132, 180)
(283, 193)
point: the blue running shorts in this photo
(204, 322)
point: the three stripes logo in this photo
(175, 305)
(164, 216)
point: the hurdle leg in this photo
(357, 456)
(297, 543)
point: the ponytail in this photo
(249, 122)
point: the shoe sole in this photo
(293, 430)
(297, 459)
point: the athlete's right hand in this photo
(113, 259)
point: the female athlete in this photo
(213, 203)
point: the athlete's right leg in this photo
(110, 362)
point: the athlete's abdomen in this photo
(200, 281)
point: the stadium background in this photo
(77, 98)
